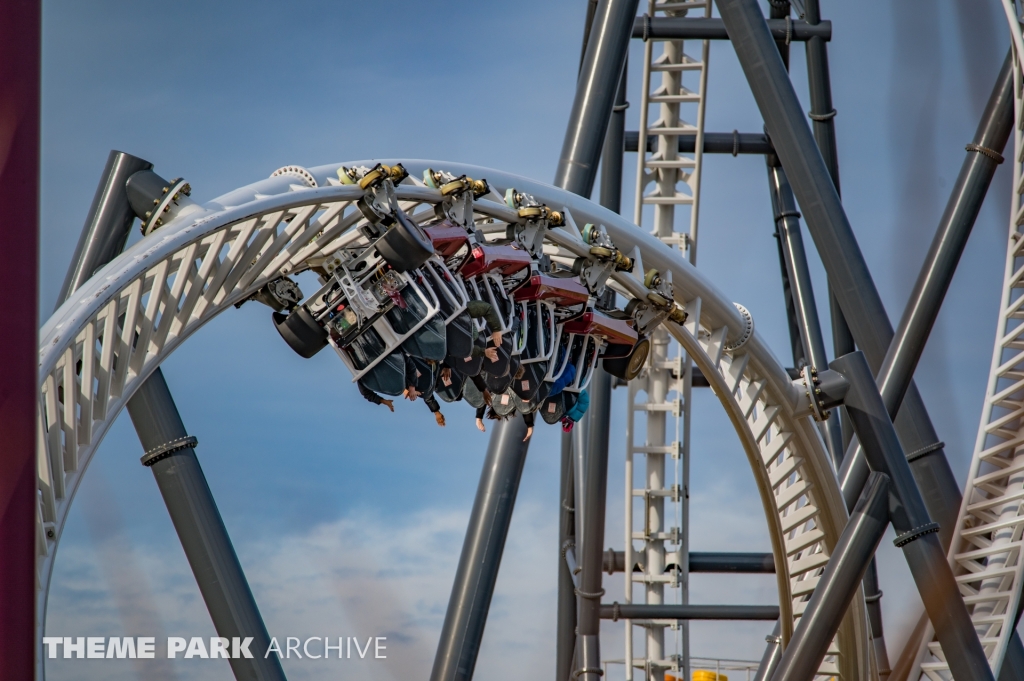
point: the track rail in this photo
(100, 346)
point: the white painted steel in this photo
(166, 286)
(986, 549)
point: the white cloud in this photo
(362, 575)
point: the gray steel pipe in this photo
(477, 573)
(700, 28)
(178, 474)
(607, 45)
(594, 431)
(599, 84)
(687, 611)
(200, 527)
(847, 271)
(565, 633)
(108, 223)
(917, 533)
(771, 657)
(590, 554)
(839, 583)
(787, 222)
(734, 142)
(702, 561)
(939, 266)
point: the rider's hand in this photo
(389, 404)
(439, 417)
(529, 433)
(480, 426)
(492, 354)
(496, 338)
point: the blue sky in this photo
(349, 519)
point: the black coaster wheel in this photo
(629, 366)
(300, 331)
(405, 246)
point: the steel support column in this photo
(20, 538)
(938, 269)
(839, 583)
(771, 657)
(565, 634)
(791, 241)
(844, 263)
(172, 458)
(477, 573)
(607, 45)
(917, 533)
(606, 42)
(595, 431)
(169, 450)
(108, 224)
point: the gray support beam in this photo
(771, 657)
(594, 427)
(844, 263)
(594, 431)
(565, 634)
(734, 143)
(822, 115)
(699, 28)
(170, 454)
(839, 583)
(169, 450)
(917, 533)
(477, 573)
(713, 562)
(607, 45)
(904, 352)
(108, 223)
(791, 241)
(687, 611)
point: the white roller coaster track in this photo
(141, 306)
(985, 552)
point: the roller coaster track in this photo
(985, 552)
(101, 345)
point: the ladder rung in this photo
(658, 449)
(660, 536)
(679, 200)
(658, 131)
(675, 406)
(673, 99)
(676, 239)
(672, 6)
(685, 66)
(678, 163)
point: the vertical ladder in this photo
(987, 550)
(657, 534)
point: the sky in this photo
(349, 519)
